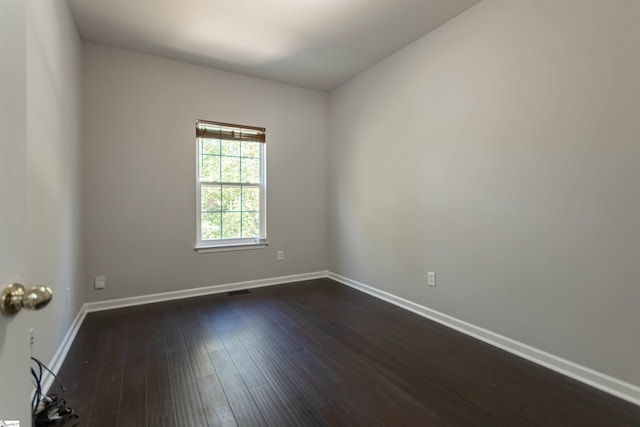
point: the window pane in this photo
(250, 199)
(209, 167)
(251, 171)
(231, 225)
(231, 199)
(210, 198)
(230, 169)
(210, 226)
(230, 148)
(209, 146)
(251, 149)
(250, 224)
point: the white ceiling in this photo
(318, 44)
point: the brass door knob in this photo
(14, 297)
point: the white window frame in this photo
(223, 245)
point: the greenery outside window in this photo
(231, 195)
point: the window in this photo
(231, 186)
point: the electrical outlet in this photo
(32, 337)
(68, 297)
(99, 282)
(280, 255)
(431, 278)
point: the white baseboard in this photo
(207, 290)
(58, 358)
(606, 383)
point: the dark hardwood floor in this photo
(309, 353)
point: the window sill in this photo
(231, 247)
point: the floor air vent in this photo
(234, 293)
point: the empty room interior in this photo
(320, 212)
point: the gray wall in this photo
(139, 173)
(502, 151)
(54, 155)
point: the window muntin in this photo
(231, 185)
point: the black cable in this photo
(37, 398)
(53, 409)
(36, 394)
(42, 365)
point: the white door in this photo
(15, 382)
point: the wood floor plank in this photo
(189, 411)
(284, 364)
(340, 349)
(106, 399)
(246, 366)
(212, 339)
(352, 369)
(240, 400)
(197, 349)
(293, 397)
(186, 399)
(81, 368)
(273, 409)
(160, 405)
(132, 410)
(310, 353)
(215, 403)
(335, 415)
